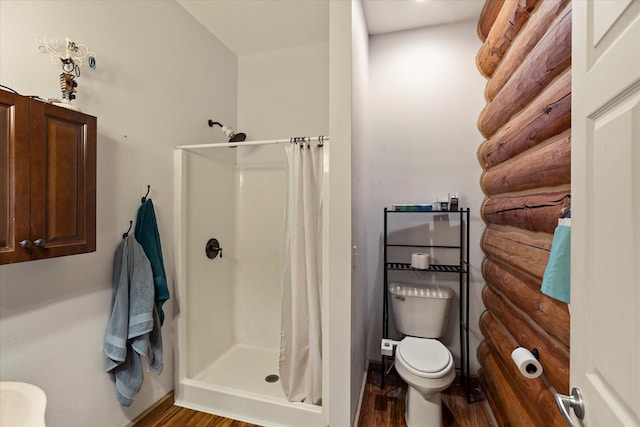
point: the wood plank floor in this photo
(380, 408)
(385, 407)
(177, 416)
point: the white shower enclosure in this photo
(228, 308)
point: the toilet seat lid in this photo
(424, 355)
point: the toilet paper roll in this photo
(420, 261)
(526, 362)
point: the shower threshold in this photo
(234, 387)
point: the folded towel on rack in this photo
(133, 329)
(556, 281)
(147, 235)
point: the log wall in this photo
(526, 58)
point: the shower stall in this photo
(228, 306)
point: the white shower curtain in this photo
(301, 334)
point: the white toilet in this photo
(426, 365)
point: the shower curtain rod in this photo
(296, 139)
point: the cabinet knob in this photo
(25, 244)
(41, 243)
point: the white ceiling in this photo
(386, 16)
(253, 26)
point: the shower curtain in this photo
(301, 335)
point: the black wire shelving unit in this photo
(462, 269)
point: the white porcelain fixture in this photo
(426, 365)
(21, 404)
(228, 328)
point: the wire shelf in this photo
(432, 267)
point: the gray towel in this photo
(133, 329)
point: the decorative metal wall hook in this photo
(126, 233)
(144, 198)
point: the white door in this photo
(605, 263)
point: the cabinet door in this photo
(63, 181)
(14, 177)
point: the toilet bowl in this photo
(427, 367)
(424, 363)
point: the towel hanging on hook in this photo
(147, 234)
(126, 233)
(144, 198)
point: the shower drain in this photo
(271, 378)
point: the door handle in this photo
(41, 243)
(25, 244)
(575, 402)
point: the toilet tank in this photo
(420, 311)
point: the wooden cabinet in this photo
(47, 180)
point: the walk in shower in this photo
(228, 306)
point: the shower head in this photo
(230, 133)
(238, 137)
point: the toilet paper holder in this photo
(527, 361)
(536, 353)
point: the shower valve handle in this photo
(213, 249)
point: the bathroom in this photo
(134, 146)
(153, 90)
(139, 149)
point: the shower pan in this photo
(228, 314)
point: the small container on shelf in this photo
(441, 203)
(453, 202)
(412, 207)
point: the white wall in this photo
(284, 93)
(259, 255)
(209, 291)
(359, 197)
(336, 279)
(160, 76)
(281, 93)
(425, 95)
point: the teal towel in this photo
(556, 281)
(147, 235)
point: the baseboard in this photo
(154, 411)
(361, 397)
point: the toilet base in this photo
(421, 412)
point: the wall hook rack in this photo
(126, 233)
(144, 198)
